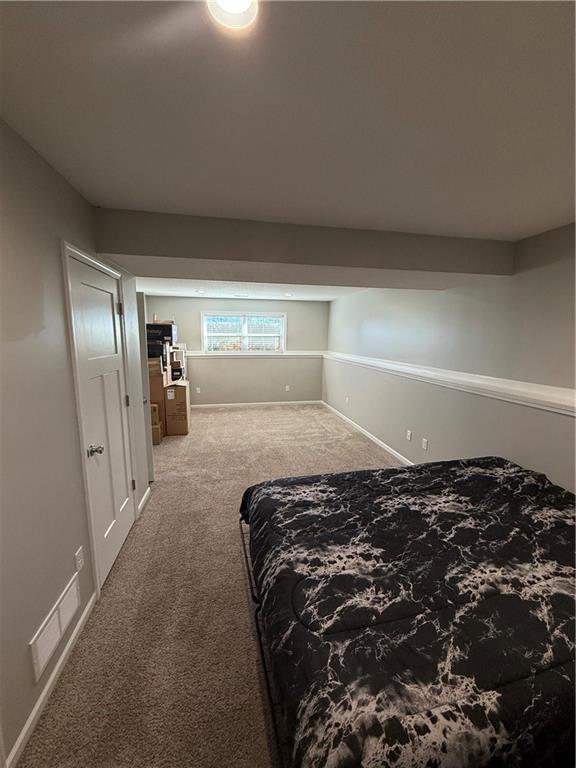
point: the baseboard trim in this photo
(402, 459)
(30, 723)
(257, 405)
(144, 500)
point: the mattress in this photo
(419, 616)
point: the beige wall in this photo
(542, 299)
(306, 329)
(43, 518)
(457, 424)
(517, 327)
(254, 379)
(197, 237)
(237, 379)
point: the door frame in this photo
(70, 251)
(141, 308)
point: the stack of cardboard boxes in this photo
(169, 389)
(158, 377)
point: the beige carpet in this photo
(167, 672)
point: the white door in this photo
(97, 337)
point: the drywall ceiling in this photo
(216, 289)
(445, 118)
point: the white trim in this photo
(131, 415)
(402, 459)
(256, 405)
(557, 399)
(79, 255)
(69, 252)
(26, 731)
(262, 355)
(542, 396)
(144, 500)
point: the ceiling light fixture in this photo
(241, 295)
(288, 294)
(234, 14)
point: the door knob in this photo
(92, 449)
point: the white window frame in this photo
(244, 314)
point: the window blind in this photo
(244, 332)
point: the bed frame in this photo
(271, 690)
(541, 733)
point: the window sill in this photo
(305, 353)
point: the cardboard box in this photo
(177, 407)
(157, 434)
(158, 383)
(158, 377)
(155, 413)
(155, 365)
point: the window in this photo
(239, 332)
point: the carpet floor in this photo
(166, 673)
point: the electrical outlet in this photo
(425, 443)
(347, 399)
(287, 388)
(79, 558)
(408, 434)
(197, 390)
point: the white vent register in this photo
(52, 629)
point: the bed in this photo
(418, 616)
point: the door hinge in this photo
(120, 307)
(133, 485)
(127, 399)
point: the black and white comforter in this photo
(420, 616)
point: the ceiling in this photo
(215, 289)
(445, 118)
